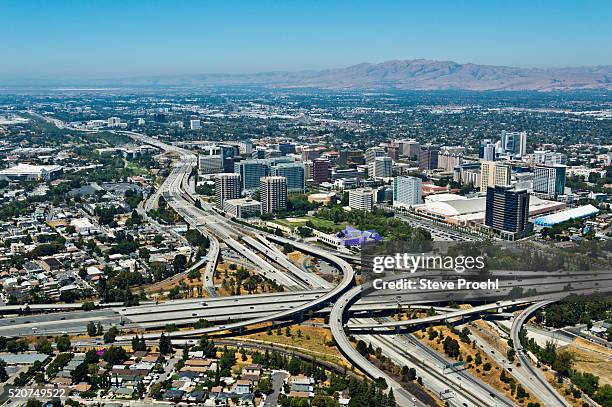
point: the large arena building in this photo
(462, 211)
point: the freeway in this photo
(547, 287)
(533, 387)
(402, 396)
(212, 258)
(181, 205)
(534, 374)
(466, 388)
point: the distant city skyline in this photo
(51, 39)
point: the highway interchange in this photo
(349, 310)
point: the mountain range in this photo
(416, 74)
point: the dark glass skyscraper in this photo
(507, 212)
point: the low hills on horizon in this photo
(417, 74)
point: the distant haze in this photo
(418, 74)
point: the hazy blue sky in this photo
(122, 38)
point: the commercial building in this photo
(195, 124)
(273, 194)
(361, 199)
(467, 173)
(210, 160)
(580, 212)
(514, 143)
(507, 212)
(373, 152)
(448, 159)
(408, 148)
(407, 191)
(114, 122)
(542, 157)
(84, 227)
(428, 157)
(486, 150)
(321, 170)
(494, 173)
(251, 172)
(227, 186)
(27, 172)
(349, 158)
(246, 147)
(460, 210)
(242, 208)
(312, 153)
(295, 174)
(549, 180)
(382, 167)
(214, 159)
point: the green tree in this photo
(91, 328)
(3, 375)
(63, 343)
(44, 346)
(165, 345)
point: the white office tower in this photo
(273, 194)
(361, 199)
(494, 173)
(308, 170)
(549, 180)
(373, 152)
(227, 186)
(242, 207)
(407, 191)
(210, 160)
(246, 147)
(195, 124)
(382, 167)
(114, 122)
(514, 143)
(140, 122)
(542, 157)
(488, 152)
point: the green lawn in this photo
(321, 224)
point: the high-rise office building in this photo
(286, 148)
(361, 199)
(246, 147)
(448, 159)
(486, 150)
(210, 160)
(312, 153)
(294, 172)
(251, 172)
(542, 157)
(494, 173)
(382, 167)
(195, 124)
(407, 191)
(216, 158)
(321, 170)
(227, 186)
(373, 152)
(408, 148)
(428, 157)
(507, 212)
(549, 180)
(348, 158)
(514, 143)
(273, 194)
(114, 122)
